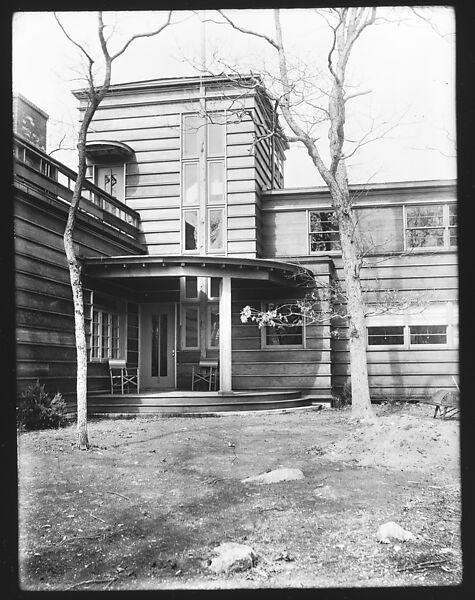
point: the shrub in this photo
(38, 410)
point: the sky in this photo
(405, 65)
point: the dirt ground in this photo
(144, 508)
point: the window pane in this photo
(214, 327)
(428, 334)
(324, 234)
(287, 334)
(163, 345)
(155, 349)
(214, 287)
(423, 238)
(191, 287)
(453, 236)
(216, 134)
(216, 182)
(382, 336)
(216, 229)
(191, 327)
(190, 184)
(425, 216)
(191, 229)
(452, 214)
(190, 136)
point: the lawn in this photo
(146, 506)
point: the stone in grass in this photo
(275, 476)
(393, 530)
(233, 557)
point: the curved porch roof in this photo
(108, 149)
(275, 271)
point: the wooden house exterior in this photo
(185, 220)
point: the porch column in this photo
(225, 341)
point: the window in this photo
(431, 226)
(190, 184)
(213, 326)
(203, 157)
(190, 324)
(216, 182)
(385, 336)
(110, 178)
(104, 335)
(191, 127)
(191, 288)
(215, 233)
(428, 334)
(323, 231)
(289, 333)
(190, 220)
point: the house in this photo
(184, 221)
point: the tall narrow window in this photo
(190, 184)
(190, 220)
(213, 326)
(191, 127)
(216, 134)
(215, 232)
(191, 318)
(452, 225)
(216, 182)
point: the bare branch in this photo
(250, 32)
(143, 35)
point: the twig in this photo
(110, 583)
(456, 385)
(117, 494)
(98, 518)
(88, 581)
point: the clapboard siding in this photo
(44, 312)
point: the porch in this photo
(175, 402)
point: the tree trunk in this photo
(81, 346)
(360, 398)
(75, 277)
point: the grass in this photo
(144, 508)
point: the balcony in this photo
(36, 170)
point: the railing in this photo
(56, 178)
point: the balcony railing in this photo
(39, 170)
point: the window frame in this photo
(392, 344)
(183, 233)
(266, 346)
(183, 308)
(310, 232)
(112, 352)
(211, 306)
(446, 227)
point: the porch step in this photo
(194, 402)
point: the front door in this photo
(157, 346)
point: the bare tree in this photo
(347, 25)
(95, 96)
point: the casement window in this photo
(204, 157)
(386, 336)
(323, 231)
(105, 335)
(290, 333)
(431, 226)
(436, 326)
(427, 334)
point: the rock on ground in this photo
(233, 557)
(393, 530)
(283, 474)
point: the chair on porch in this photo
(206, 372)
(123, 377)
